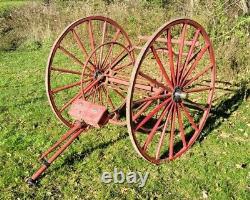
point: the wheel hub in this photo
(97, 74)
(178, 95)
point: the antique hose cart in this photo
(164, 96)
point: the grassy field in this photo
(216, 167)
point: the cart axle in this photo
(178, 95)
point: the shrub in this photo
(228, 25)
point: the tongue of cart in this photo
(85, 114)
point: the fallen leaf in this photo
(204, 194)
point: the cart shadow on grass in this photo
(229, 103)
(232, 97)
(226, 107)
(219, 112)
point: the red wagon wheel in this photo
(181, 81)
(109, 84)
(69, 54)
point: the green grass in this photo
(7, 5)
(217, 165)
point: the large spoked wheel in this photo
(69, 54)
(109, 83)
(179, 83)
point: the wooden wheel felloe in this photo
(64, 75)
(182, 81)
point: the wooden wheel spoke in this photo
(152, 81)
(170, 55)
(152, 113)
(89, 86)
(104, 95)
(109, 99)
(87, 80)
(191, 49)
(189, 117)
(76, 60)
(115, 63)
(99, 94)
(94, 94)
(194, 56)
(147, 104)
(171, 139)
(138, 106)
(121, 88)
(181, 127)
(79, 43)
(119, 93)
(181, 46)
(193, 66)
(164, 132)
(66, 105)
(142, 110)
(118, 32)
(200, 74)
(104, 64)
(54, 91)
(157, 97)
(92, 40)
(93, 90)
(111, 47)
(103, 38)
(162, 69)
(66, 71)
(190, 52)
(118, 59)
(154, 129)
(123, 66)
